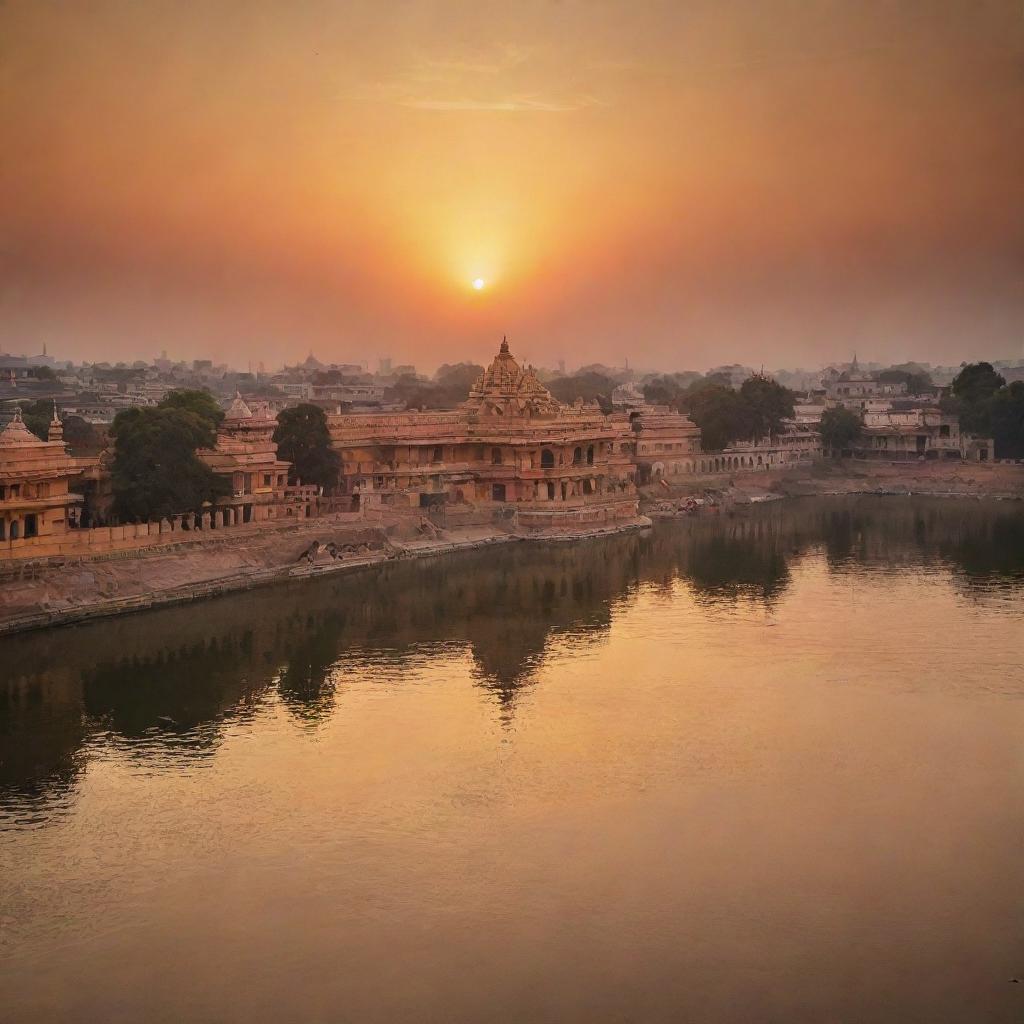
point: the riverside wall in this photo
(58, 590)
(154, 569)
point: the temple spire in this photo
(56, 428)
(504, 344)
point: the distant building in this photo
(854, 387)
(628, 396)
(918, 433)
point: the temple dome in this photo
(505, 388)
(238, 410)
(16, 434)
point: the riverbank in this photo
(37, 595)
(927, 479)
(41, 595)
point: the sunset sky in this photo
(679, 183)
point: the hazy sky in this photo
(680, 183)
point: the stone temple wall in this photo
(110, 540)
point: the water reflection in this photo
(164, 685)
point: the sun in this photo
(478, 283)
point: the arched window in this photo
(590, 455)
(496, 456)
(577, 456)
(547, 459)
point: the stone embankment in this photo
(49, 592)
(997, 481)
(52, 591)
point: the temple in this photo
(510, 446)
(245, 453)
(35, 499)
(510, 455)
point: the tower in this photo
(55, 432)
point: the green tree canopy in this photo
(452, 383)
(670, 388)
(303, 440)
(721, 413)
(588, 386)
(196, 401)
(974, 388)
(724, 414)
(79, 434)
(976, 382)
(839, 428)
(768, 404)
(917, 382)
(37, 415)
(1007, 420)
(156, 471)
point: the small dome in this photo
(16, 434)
(238, 410)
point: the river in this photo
(766, 767)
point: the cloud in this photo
(515, 104)
(504, 79)
(446, 68)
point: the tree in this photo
(83, 437)
(670, 389)
(977, 382)
(587, 386)
(453, 382)
(412, 392)
(917, 381)
(768, 404)
(79, 434)
(37, 415)
(43, 373)
(201, 403)
(721, 413)
(974, 387)
(303, 439)
(839, 428)
(156, 471)
(1007, 420)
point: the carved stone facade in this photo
(35, 497)
(511, 447)
(246, 454)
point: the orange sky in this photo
(681, 183)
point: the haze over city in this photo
(680, 184)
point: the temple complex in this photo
(35, 499)
(511, 446)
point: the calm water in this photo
(762, 768)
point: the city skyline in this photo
(781, 186)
